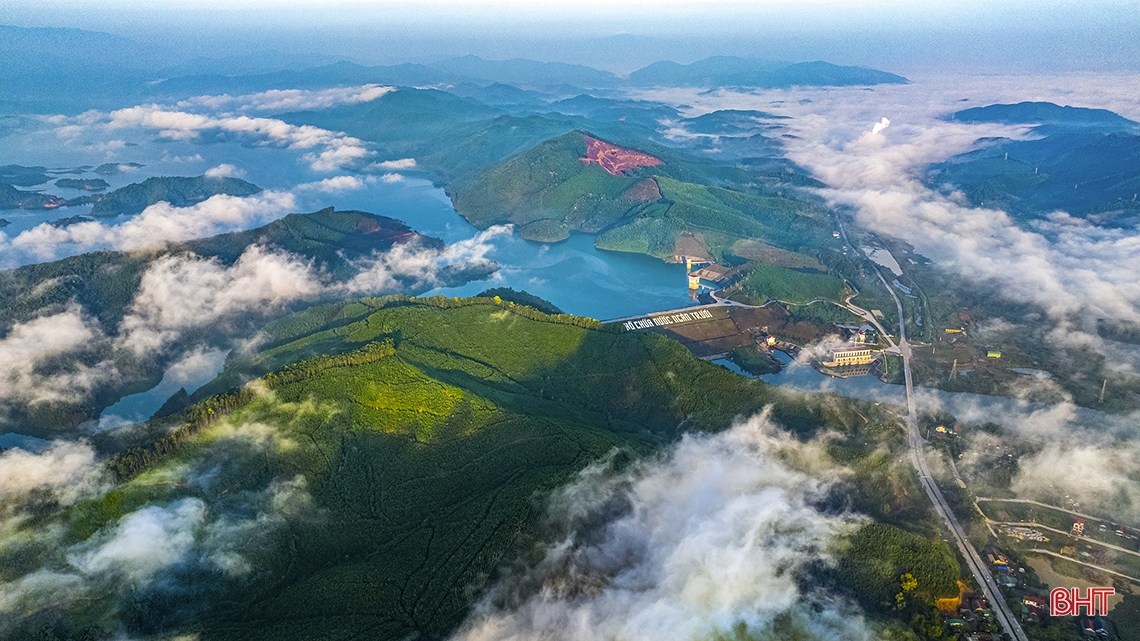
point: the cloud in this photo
(702, 543)
(184, 292)
(145, 542)
(1060, 264)
(337, 149)
(291, 99)
(415, 266)
(336, 184)
(223, 170)
(392, 178)
(66, 469)
(154, 228)
(31, 346)
(402, 163)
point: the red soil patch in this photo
(614, 159)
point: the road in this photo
(983, 499)
(1095, 567)
(977, 567)
(1040, 526)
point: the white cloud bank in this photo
(154, 228)
(329, 150)
(58, 337)
(290, 99)
(1062, 264)
(705, 543)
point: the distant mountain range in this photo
(725, 71)
(110, 71)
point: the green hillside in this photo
(413, 451)
(548, 192)
(103, 285)
(180, 192)
(764, 282)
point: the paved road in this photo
(918, 459)
(1095, 567)
(983, 499)
(977, 567)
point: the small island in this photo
(87, 184)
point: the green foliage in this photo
(180, 192)
(548, 192)
(764, 282)
(754, 361)
(883, 561)
(87, 184)
(522, 298)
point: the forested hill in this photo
(1083, 161)
(392, 452)
(101, 288)
(178, 191)
(104, 283)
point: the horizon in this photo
(902, 37)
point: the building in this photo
(850, 356)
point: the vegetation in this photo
(12, 198)
(104, 284)
(23, 176)
(415, 445)
(1082, 162)
(763, 282)
(179, 192)
(548, 192)
(522, 298)
(86, 184)
(753, 360)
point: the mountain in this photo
(722, 71)
(179, 192)
(103, 288)
(637, 200)
(1082, 161)
(1042, 113)
(528, 74)
(340, 73)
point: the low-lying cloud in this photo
(154, 228)
(289, 99)
(1061, 264)
(703, 543)
(327, 150)
(37, 363)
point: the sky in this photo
(897, 34)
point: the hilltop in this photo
(1082, 161)
(178, 191)
(401, 448)
(636, 200)
(102, 287)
